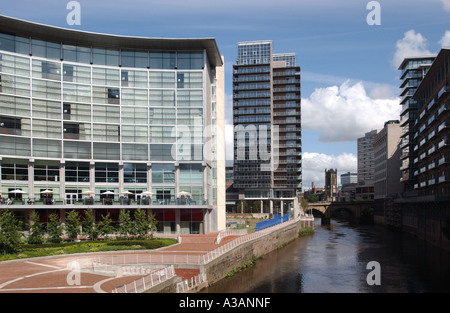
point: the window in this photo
(10, 125)
(161, 152)
(105, 57)
(14, 169)
(71, 131)
(163, 173)
(106, 151)
(44, 171)
(44, 49)
(190, 60)
(189, 80)
(49, 70)
(191, 174)
(162, 79)
(162, 60)
(77, 171)
(134, 173)
(107, 172)
(134, 59)
(77, 150)
(113, 95)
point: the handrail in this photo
(147, 282)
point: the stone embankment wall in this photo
(220, 266)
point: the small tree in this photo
(153, 223)
(105, 226)
(256, 206)
(141, 223)
(36, 230)
(125, 224)
(89, 225)
(73, 224)
(54, 228)
(304, 204)
(9, 232)
(312, 198)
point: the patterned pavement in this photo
(52, 274)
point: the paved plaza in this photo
(50, 274)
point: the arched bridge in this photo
(357, 209)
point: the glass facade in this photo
(267, 120)
(77, 119)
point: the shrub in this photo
(36, 230)
(9, 232)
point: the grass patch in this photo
(247, 264)
(49, 249)
(305, 231)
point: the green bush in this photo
(305, 231)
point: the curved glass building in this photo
(111, 122)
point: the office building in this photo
(433, 131)
(110, 122)
(413, 69)
(366, 158)
(267, 125)
(349, 178)
(387, 161)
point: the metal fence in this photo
(144, 283)
(189, 284)
(277, 219)
(230, 232)
(208, 257)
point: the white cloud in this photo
(446, 4)
(445, 40)
(345, 113)
(410, 45)
(314, 165)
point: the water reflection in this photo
(334, 259)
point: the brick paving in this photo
(50, 274)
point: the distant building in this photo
(366, 158)
(387, 158)
(318, 192)
(349, 178)
(349, 181)
(331, 187)
(366, 167)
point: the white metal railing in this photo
(182, 258)
(144, 283)
(230, 232)
(208, 257)
(189, 284)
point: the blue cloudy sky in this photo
(349, 68)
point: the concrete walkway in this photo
(52, 274)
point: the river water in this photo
(335, 258)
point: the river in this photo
(335, 258)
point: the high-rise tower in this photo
(267, 120)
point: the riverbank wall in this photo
(423, 219)
(273, 238)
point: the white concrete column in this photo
(120, 179)
(92, 176)
(30, 179)
(62, 179)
